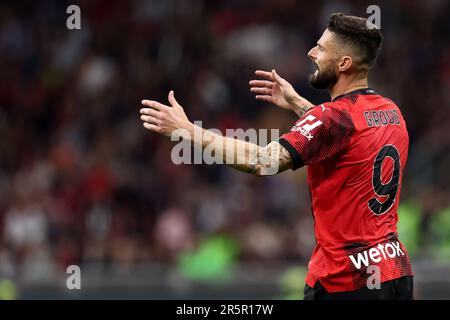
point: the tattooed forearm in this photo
(273, 158)
(301, 106)
(245, 156)
(301, 110)
(262, 161)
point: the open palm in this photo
(273, 89)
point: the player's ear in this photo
(345, 63)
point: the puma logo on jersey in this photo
(324, 108)
(305, 126)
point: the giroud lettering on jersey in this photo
(377, 118)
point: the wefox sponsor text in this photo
(375, 254)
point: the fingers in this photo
(261, 90)
(154, 104)
(151, 118)
(173, 102)
(277, 78)
(264, 74)
(159, 117)
(264, 98)
(151, 127)
(261, 83)
(151, 123)
(150, 112)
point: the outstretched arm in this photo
(276, 90)
(238, 154)
(242, 155)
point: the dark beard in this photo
(323, 80)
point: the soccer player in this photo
(354, 147)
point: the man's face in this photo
(324, 58)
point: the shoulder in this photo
(336, 107)
(329, 113)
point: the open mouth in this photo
(315, 68)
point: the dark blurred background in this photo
(81, 181)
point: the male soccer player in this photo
(355, 148)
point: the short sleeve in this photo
(318, 135)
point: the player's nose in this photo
(312, 54)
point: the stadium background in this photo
(81, 182)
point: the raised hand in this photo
(164, 119)
(276, 90)
(273, 89)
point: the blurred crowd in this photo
(82, 182)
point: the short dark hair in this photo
(354, 31)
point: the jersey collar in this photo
(355, 92)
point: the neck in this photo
(347, 84)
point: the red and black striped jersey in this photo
(355, 149)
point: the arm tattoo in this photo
(301, 110)
(301, 106)
(269, 160)
(245, 156)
